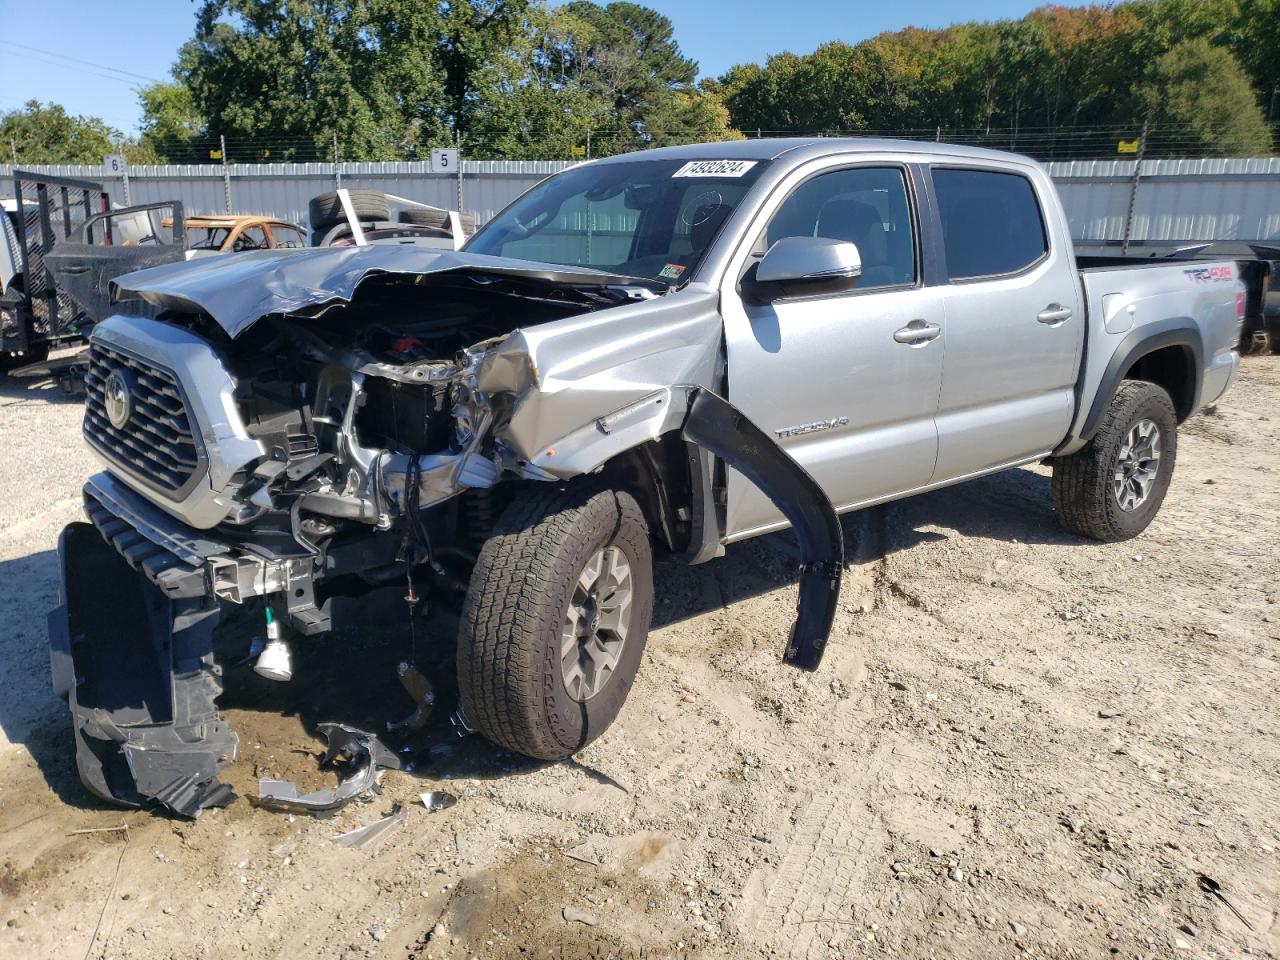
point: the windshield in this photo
(640, 218)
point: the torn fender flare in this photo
(716, 425)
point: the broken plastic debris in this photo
(435, 800)
(372, 834)
(357, 755)
(421, 692)
(461, 728)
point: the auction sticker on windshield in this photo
(714, 168)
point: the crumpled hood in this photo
(237, 290)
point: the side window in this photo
(287, 237)
(251, 238)
(867, 206)
(991, 222)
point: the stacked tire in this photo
(326, 211)
(431, 217)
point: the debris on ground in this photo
(435, 800)
(422, 693)
(372, 834)
(357, 756)
(575, 915)
(1214, 889)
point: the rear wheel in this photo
(555, 620)
(1112, 488)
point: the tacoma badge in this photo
(815, 427)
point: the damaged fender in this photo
(716, 425)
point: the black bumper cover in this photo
(136, 667)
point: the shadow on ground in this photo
(349, 675)
(26, 390)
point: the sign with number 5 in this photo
(444, 161)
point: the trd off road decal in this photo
(1210, 274)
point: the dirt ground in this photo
(1019, 744)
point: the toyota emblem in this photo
(118, 398)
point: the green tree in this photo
(290, 75)
(1203, 93)
(172, 127)
(46, 133)
(625, 58)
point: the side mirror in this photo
(803, 266)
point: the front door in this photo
(848, 383)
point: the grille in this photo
(156, 444)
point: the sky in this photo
(91, 57)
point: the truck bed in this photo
(1136, 299)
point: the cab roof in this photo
(232, 220)
(771, 148)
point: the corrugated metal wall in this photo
(1188, 199)
(283, 189)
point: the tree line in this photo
(280, 80)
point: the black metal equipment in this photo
(68, 245)
(48, 209)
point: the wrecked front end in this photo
(295, 432)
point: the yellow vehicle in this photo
(234, 234)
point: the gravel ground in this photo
(1019, 744)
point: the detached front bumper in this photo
(137, 670)
(131, 649)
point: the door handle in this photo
(917, 332)
(1054, 313)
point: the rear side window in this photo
(991, 222)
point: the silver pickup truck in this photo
(648, 356)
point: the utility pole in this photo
(337, 171)
(588, 143)
(458, 143)
(1133, 187)
(124, 174)
(13, 145)
(226, 172)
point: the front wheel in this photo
(1112, 487)
(555, 620)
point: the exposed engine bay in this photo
(351, 404)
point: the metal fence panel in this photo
(1177, 200)
(283, 189)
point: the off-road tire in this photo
(1082, 493)
(510, 681)
(421, 216)
(326, 210)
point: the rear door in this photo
(1015, 321)
(825, 374)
